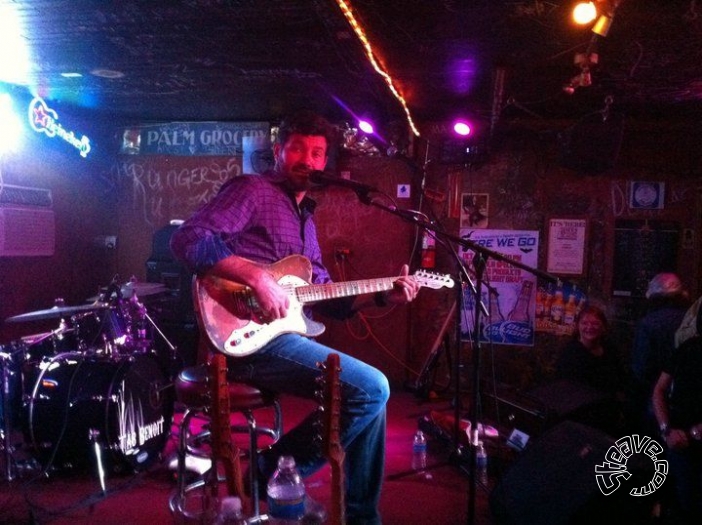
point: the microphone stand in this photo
(480, 261)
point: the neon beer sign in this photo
(43, 119)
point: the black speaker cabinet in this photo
(553, 482)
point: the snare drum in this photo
(38, 347)
(125, 405)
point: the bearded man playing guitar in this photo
(253, 223)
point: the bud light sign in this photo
(508, 292)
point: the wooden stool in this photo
(194, 389)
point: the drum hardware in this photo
(58, 333)
(7, 447)
(95, 388)
(133, 287)
(76, 394)
(94, 438)
(11, 356)
(127, 290)
(56, 311)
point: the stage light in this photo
(584, 13)
(366, 127)
(602, 25)
(462, 128)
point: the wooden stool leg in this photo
(224, 451)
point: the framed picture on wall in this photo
(646, 195)
(566, 246)
(474, 210)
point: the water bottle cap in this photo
(231, 505)
(286, 462)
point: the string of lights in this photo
(361, 34)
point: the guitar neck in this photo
(323, 292)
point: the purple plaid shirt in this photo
(252, 216)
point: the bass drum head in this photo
(123, 405)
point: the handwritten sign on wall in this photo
(159, 189)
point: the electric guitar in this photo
(231, 318)
(331, 445)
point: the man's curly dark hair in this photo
(306, 123)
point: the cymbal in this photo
(142, 289)
(38, 338)
(134, 288)
(56, 311)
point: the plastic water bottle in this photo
(230, 512)
(481, 463)
(419, 451)
(286, 492)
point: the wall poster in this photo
(508, 292)
(474, 210)
(566, 246)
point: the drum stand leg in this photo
(94, 436)
(6, 442)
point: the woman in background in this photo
(590, 359)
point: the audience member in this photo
(654, 340)
(677, 405)
(590, 359)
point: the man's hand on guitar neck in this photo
(405, 288)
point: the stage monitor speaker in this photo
(564, 399)
(553, 482)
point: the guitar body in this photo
(232, 320)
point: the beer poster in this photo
(508, 294)
(557, 307)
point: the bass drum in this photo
(124, 405)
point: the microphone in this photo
(319, 177)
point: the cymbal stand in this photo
(6, 443)
(173, 357)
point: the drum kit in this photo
(94, 391)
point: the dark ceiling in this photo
(259, 59)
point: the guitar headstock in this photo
(433, 280)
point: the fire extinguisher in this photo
(428, 251)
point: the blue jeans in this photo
(288, 364)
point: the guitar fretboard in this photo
(321, 292)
